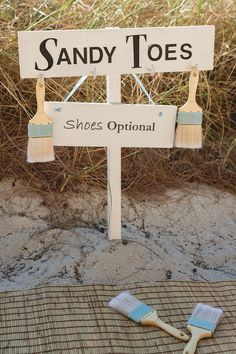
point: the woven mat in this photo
(76, 319)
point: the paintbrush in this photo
(189, 129)
(137, 311)
(202, 324)
(40, 130)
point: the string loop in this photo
(139, 82)
(75, 88)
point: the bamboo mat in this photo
(77, 320)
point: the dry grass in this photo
(143, 169)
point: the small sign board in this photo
(66, 53)
(119, 125)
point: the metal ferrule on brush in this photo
(190, 118)
(193, 321)
(140, 313)
(40, 130)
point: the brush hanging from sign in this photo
(189, 129)
(40, 130)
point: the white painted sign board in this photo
(66, 53)
(118, 125)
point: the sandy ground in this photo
(62, 238)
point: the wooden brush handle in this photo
(173, 331)
(193, 83)
(191, 104)
(197, 334)
(40, 116)
(40, 95)
(154, 320)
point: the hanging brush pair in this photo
(40, 127)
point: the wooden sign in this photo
(66, 53)
(119, 125)
(112, 52)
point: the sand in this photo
(185, 234)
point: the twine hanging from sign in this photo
(84, 77)
(75, 87)
(139, 82)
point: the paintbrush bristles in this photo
(188, 136)
(40, 150)
(207, 313)
(124, 303)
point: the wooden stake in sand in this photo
(114, 168)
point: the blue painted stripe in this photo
(141, 311)
(202, 324)
(40, 130)
(190, 118)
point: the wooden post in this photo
(114, 168)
